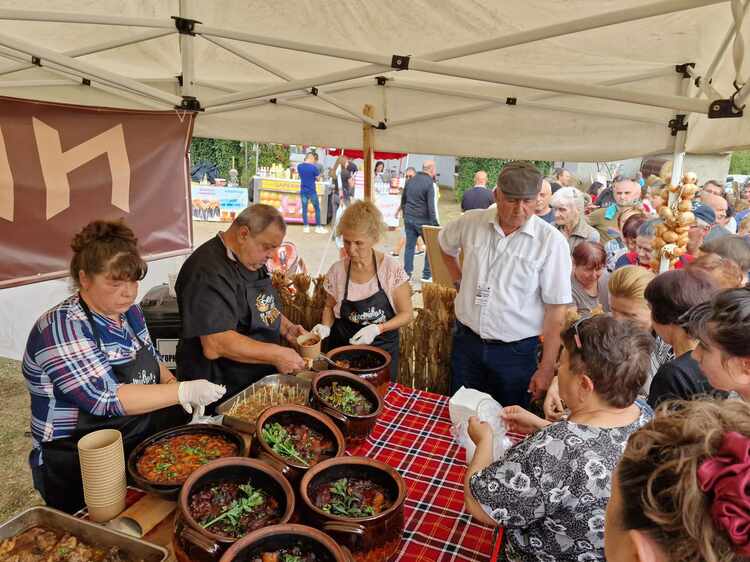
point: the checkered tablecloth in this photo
(413, 436)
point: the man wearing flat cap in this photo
(514, 286)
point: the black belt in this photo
(489, 341)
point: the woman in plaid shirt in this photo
(90, 364)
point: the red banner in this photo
(62, 166)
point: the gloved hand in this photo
(199, 393)
(366, 335)
(322, 331)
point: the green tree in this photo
(221, 152)
(468, 166)
(740, 163)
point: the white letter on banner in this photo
(56, 164)
(6, 183)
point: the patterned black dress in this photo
(550, 491)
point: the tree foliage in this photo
(221, 152)
(740, 163)
(468, 166)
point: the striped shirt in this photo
(67, 369)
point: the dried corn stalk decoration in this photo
(296, 303)
(672, 235)
(426, 343)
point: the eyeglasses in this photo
(576, 335)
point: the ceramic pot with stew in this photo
(366, 361)
(359, 502)
(162, 463)
(224, 501)
(293, 438)
(350, 401)
(297, 542)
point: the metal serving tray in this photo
(91, 533)
(271, 380)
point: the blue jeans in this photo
(313, 198)
(503, 370)
(414, 231)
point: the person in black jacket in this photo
(671, 295)
(418, 204)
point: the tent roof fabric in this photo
(490, 102)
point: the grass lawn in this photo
(15, 442)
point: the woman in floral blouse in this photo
(550, 491)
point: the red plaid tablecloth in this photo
(413, 436)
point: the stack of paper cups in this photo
(102, 459)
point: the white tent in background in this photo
(578, 80)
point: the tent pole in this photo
(318, 111)
(98, 48)
(367, 149)
(706, 78)
(38, 83)
(72, 17)
(187, 58)
(562, 86)
(656, 73)
(280, 73)
(502, 102)
(87, 70)
(569, 27)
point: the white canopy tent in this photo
(578, 80)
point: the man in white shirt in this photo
(514, 287)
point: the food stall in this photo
(283, 193)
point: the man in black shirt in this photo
(231, 324)
(418, 204)
(478, 197)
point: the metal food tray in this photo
(271, 380)
(91, 533)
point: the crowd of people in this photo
(641, 446)
(641, 449)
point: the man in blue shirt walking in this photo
(308, 173)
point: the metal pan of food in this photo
(242, 410)
(42, 533)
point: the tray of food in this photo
(241, 411)
(162, 463)
(43, 534)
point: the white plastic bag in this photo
(467, 402)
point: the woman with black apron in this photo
(369, 296)
(89, 365)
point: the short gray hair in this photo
(259, 217)
(569, 196)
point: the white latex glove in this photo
(366, 335)
(199, 393)
(321, 330)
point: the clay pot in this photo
(370, 539)
(172, 491)
(355, 428)
(379, 376)
(193, 542)
(289, 413)
(278, 536)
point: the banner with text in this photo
(62, 166)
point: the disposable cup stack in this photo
(102, 459)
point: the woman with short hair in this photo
(644, 247)
(588, 287)
(670, 295)
(569, 206)
(368, 292)
(550, 491)
(680, 493)
(90, 364)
